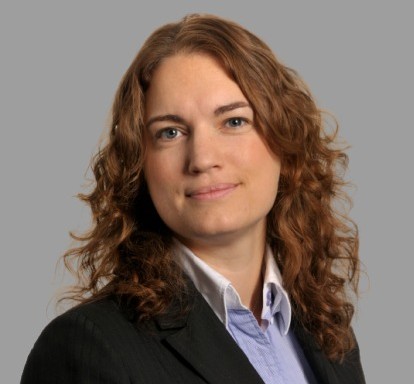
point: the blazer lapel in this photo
(327, 371)
(321, 366)
(203, 341)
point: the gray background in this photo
(60, 66)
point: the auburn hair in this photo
(129, 251)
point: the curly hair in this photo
(129, 250)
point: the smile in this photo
(211, 192)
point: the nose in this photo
(203, 150)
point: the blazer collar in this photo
(203, 341)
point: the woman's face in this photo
(211, 177)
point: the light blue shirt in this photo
(271, 347)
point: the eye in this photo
(168, 133)
(235, 122)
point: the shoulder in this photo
(103, 319)
(86, 341)
(101, 314)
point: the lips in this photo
(212, 191)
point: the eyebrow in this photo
(230, 107)
(218, 111)
(175, 118)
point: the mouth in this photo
(211, 192)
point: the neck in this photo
(241, 263)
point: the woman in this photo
(216, 254)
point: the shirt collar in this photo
(275, 297)
(221, 295)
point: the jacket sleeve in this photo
(72, 349)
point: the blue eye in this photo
(235, 122)
(168, 133)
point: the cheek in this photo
(268, 173)
(264, 165)
(162, 177)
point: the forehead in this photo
(185, 65)
(187, 80)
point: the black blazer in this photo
(98, 343)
